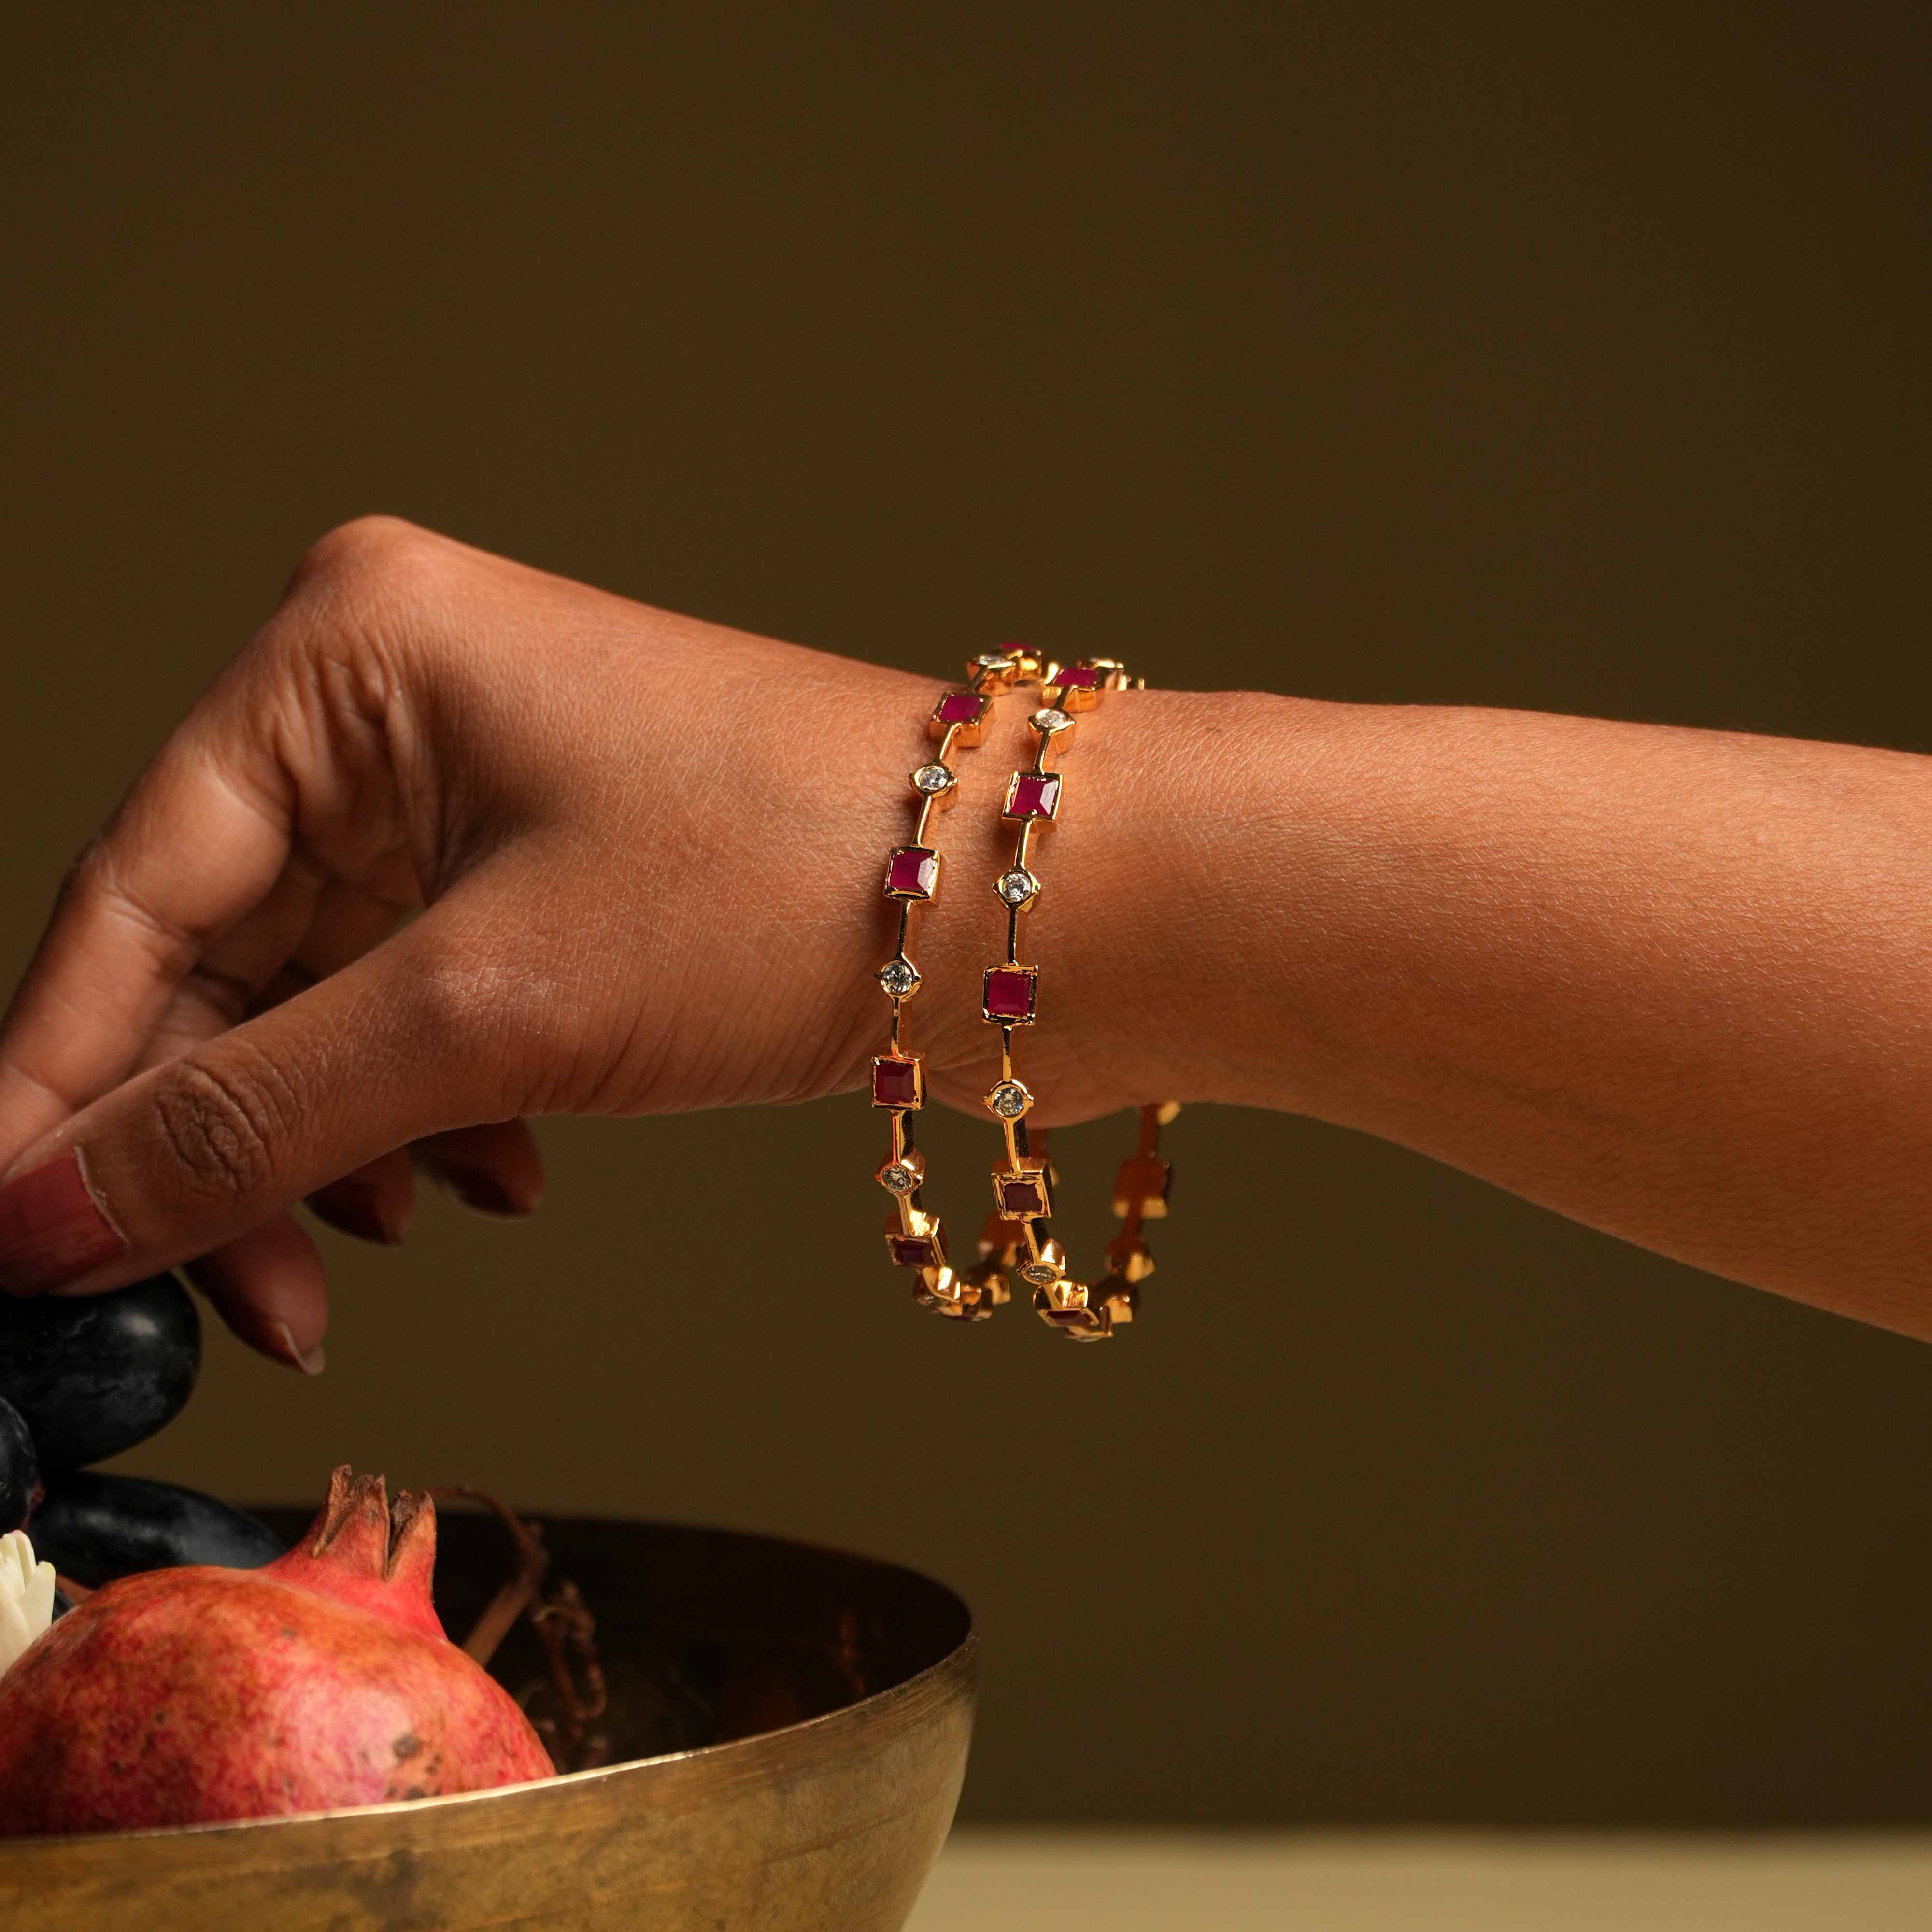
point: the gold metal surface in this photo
(840, 1693)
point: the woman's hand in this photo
(647, 855)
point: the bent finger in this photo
(375, 1202)
(496, 1169)
(191, 1154)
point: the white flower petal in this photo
(26, 1596)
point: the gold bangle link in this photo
(914, 1237)
(1023, 1188)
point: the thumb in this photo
(193, 1152)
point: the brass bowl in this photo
(818, 1707)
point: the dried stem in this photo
(565, 1624)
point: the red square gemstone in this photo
(1010, 994)
(1079, 677)
(1032, 795)
(1022, 1199)
(960, 707)
(912, 873)
(921, 1245)
(899, 1084)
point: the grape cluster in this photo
(82, 1378)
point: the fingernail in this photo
(310, 1364)
(358, 1209)
(52, 1228)
(482, 1191)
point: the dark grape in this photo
(95, 1374)
(19, 1469)
(95, 1527)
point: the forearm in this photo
(1675, 984)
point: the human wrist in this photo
(1147, 875)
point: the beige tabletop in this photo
(1098, 1882)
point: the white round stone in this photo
(1048, 721)
(899, 1180)
(898, 977)
(1009, 1099)
(933, 778)
(1017, 887)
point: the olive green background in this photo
(1572, 358)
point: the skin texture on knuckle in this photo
(223, 1126)
(400, 659)
(340, 685)
(354, 609)
(365, 550)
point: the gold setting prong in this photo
(1049, 1264)
(995, 671)
(1071, 698)
(910, 1165)
(1068, 1306)
(1000, 671)
(971, 1297)
(942, 1284)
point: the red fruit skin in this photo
(190, 1696)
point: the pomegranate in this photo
(185, 1696)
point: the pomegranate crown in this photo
(365, 1549)
(360, 1527)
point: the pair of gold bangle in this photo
(1023, 1186)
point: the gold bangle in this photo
(914, 1238)
(1023, 1190)
(1023, 1187)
